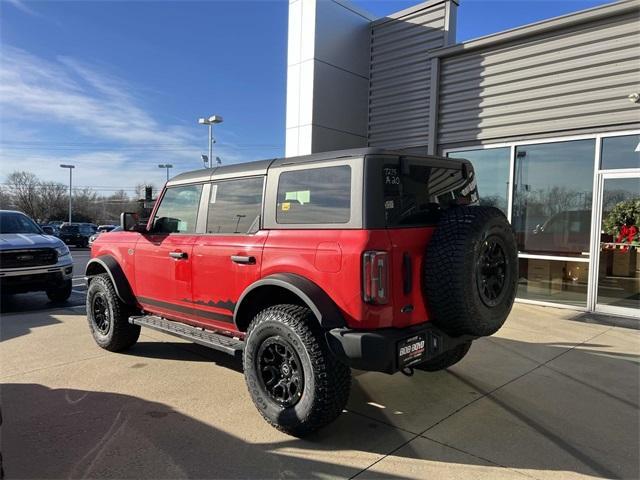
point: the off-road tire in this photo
(60, 293)
(452, 269)
(445, 360)
(327, 382)
(120, 334)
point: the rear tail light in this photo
(375, 277)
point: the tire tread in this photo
(332, 378)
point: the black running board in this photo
(207, 338)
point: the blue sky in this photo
(115, 87)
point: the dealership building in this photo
(549, 114)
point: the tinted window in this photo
(17, 223)
(621, 152)
(492, 174)
(234, 206)
(552, 197)
(416, 193)
(315, 196)
(178, 211)
(69, 229)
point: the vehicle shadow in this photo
(576, 413)
(176, 350)
(35, 301)
(66, 433)
(12, 326)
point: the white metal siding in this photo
(558, 82)
(400, 76)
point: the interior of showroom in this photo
(548, 113)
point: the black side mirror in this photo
(130, 222)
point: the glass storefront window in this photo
(619, 273)
(491, 166)
(553, 281)
(552, 197)
(620, 152)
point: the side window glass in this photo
(178, 210)
(235, 205)
(315, 196)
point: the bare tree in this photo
(6, 199)
(24, 191)
(52, 201)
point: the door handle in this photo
(178, 255)
(245, 260)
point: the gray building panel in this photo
(555, 82)
(400, 73)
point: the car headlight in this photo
(62, 251)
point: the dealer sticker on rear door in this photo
(412, 350)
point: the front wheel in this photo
(60, 293)
(108, 316)
(296, 384)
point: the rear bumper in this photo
(389, 350)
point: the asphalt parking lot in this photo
(553, 395)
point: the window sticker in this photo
(302, 196)
(182, 226)
(286, 206)
(214, 193)
(391, 176)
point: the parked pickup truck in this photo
(32, 261)
(306, 267)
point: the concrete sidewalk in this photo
(550, 396)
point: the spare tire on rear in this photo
(471, 271)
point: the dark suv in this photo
(309, 266)
(77, 234)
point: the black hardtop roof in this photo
(260, 167)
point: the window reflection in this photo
(620, 152)
(317, 195)
(491, 166)
(619, 274)
(178, 211)
(552, 197)
(553, 281)
(234, 206)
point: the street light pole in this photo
(211, 121)
(167, 166)
(210, 144)
(70, 167)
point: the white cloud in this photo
(124, 142)
(22, 6)
(73, 94)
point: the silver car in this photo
(32, 261)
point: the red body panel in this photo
(163, 284)
(203, 288)
(218, 281)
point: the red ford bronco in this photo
(306, 267)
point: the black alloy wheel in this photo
(491, 271)
(101, 314)
(281, 372)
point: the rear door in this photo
(228, 257)
(163, 257)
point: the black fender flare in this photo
(111, 266)
(323, 307)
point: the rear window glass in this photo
(315, 196)
(69, 229)
(416, 193)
